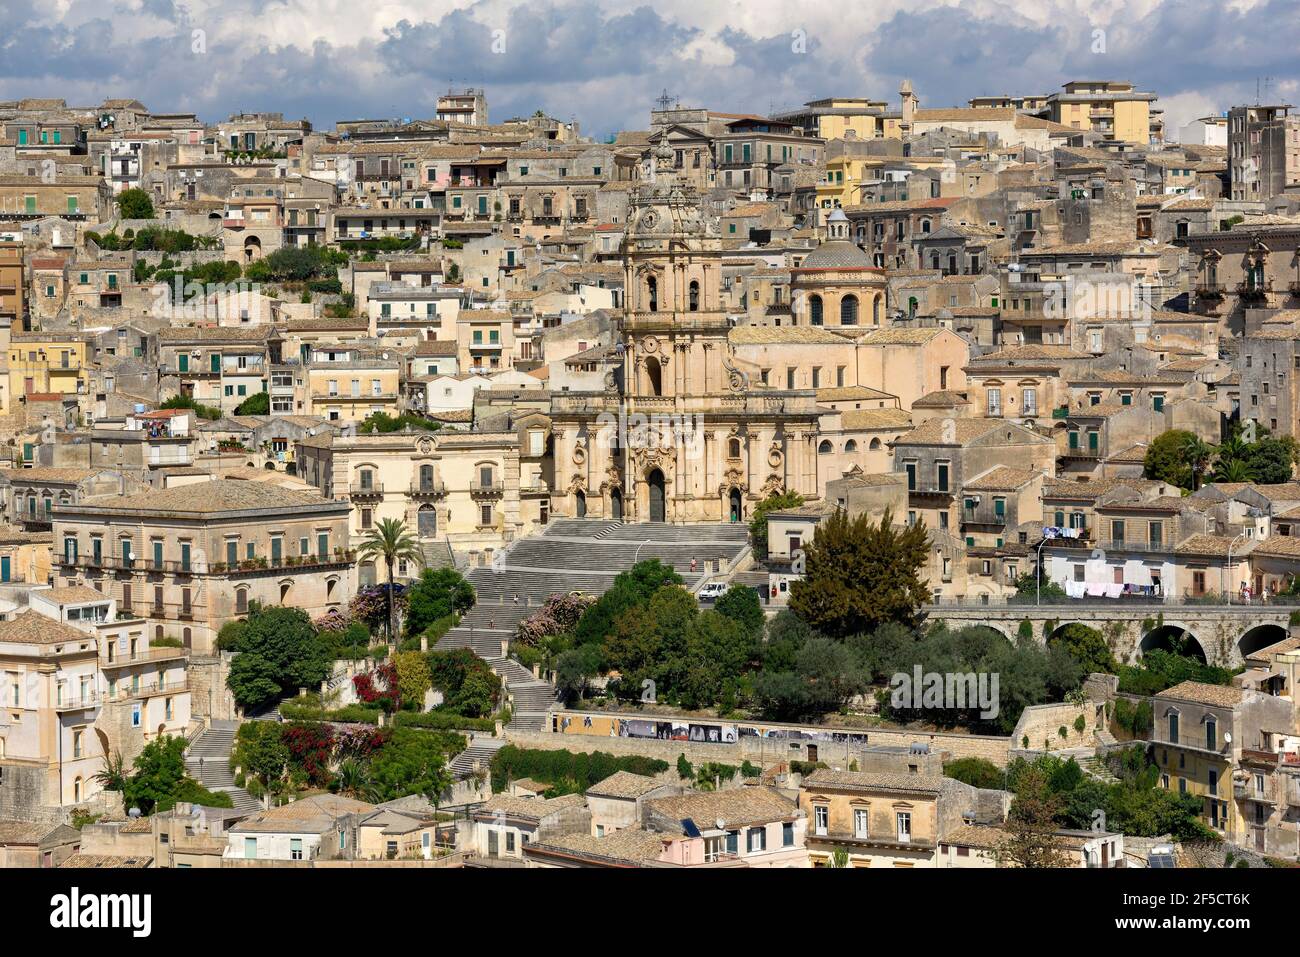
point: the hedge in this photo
(350, 714)
(566, 767)
(443, 721)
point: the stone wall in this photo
(767, 752)
(1042, 724)
(209, 696)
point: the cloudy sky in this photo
(603, 62)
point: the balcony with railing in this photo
(148, 656)
(486, 489)
(435, 488)
(150, 689)
(254, 566)
(1254, 291)
(82, 702)
(366, 491)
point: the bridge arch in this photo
(1168, 636)
(1261, 635)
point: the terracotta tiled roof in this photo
(1224, 696)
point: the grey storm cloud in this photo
(605, 62)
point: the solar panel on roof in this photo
(1161, 860)
(689, 827)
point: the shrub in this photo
(551, 767)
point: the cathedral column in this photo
(791, 448)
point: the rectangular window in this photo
(821, 819)
(757, 839)
(860, 823)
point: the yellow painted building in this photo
(842, 185)
(41, 363)
(1115, 110)
(353, 391)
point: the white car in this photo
(713, 591)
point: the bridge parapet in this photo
(1225, 633)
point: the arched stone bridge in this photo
(1224, 633)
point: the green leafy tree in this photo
(413, 678)
(860, 574)
(779, 502)
(412, 762)
(741, 605)
(158, 779)
(1179, 458)
(135, 204)
(1087, 646)
(256, 404)
(1031, 826)
(279, 651)
(390, 542)
(977, 772)
(632, 587)
(435, 595)
(260, 751)
(383, 422)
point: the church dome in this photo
(837, 254)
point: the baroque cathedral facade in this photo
(683, 432)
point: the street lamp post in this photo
(1231, 545)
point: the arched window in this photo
(875, 310)
(815, 309)
(952, 264)
(426, 477)
(733, 448)
(925, 226)
(655, 374)
(76, 790)
(284, 591)
(158, 633)
(695, 296)
(825, 448)
(241, 601)
(187, 637)
(874, 446)
(850, 446)
(652, 293)
(849, 311)
(934, 259)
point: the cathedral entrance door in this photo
(736, 508)
(580, 504)
(427, 522)
(616, 504)
(656, 482)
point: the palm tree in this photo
(1232, 470)
(391, 541)
(1198, 455)
(113, 777)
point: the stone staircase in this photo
(573, 555)
(1097, 769)
(207, 760)
(480, 750)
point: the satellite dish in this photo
(1227, 737)
(722, 825)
